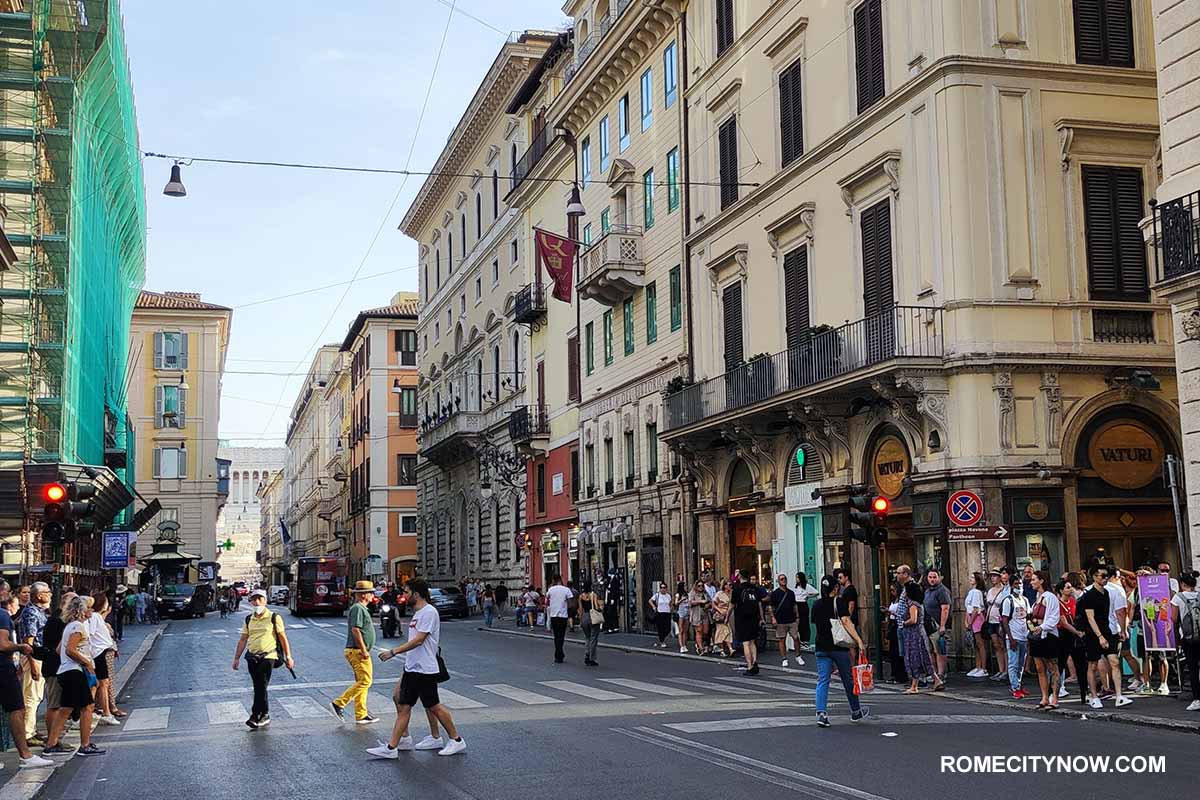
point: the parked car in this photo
(277, 595)
(183, 600)
(449, 602)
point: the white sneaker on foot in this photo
(785, 663)
(1095, 703)
(453, 747)
(1164, 689)
(1123, 701)
(384, 750)
(35, 761)
(108, 719)
(1063, 692)
(1195, 706)
(430, 743)
(799, 661)
(683, 649)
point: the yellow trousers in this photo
(357, 693)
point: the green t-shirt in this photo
(360, 618)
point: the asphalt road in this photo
(640, 725)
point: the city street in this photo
(638, 725)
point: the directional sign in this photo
(978, 533)
(964, 509)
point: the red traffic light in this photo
(881, 505)
(54, 492)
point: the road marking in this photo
(653, 688)
(520, 695)
(297, 626)
(712, 685)
(457, 701)
(218, 630)
(771, 687)
(303, 706)
(754, 723)
(281, 687)
(226, 712)
(320, 625)
(148, 719)
(762, 770)
(587, 691)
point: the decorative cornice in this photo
(886, 163)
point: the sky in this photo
(298, 81)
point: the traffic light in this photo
(81, 507)
(54, 512)
(862, 516)
(68, 510)
(880, 506)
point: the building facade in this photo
(177, 348)
(274, 558)
(240, 520)
(475, 268)
(934, 283)
(308, 449)
(381, 356)
(334, 507)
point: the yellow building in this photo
(178, 345)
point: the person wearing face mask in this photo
(263, 636)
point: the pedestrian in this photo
(489, 605)
(613, 595)
(804, 593)
(937, 603)
(30, 628)
(848, 592)
(593, 620)
(914, 643)
(472, 597)
(573, 606)
(748, 621)
(995, 597)
(895, 652)
(360, 638)
(116, 615)
(698, 610)
(263, 636)
(12, 699)
(1043, 638)
(833, 654)
(501, 600)
(1072, 657)
(531, 602)
(76, 672)
(130, 604)
(557, 598)
(722, 608)
(103, 651)
(1093, 617)
(660, 612)
(1118, 621)
(1014, 621)
(1027, 584)
(976, 618)
(1185, 614)
(140, 603)
(783, 611)
(682, 613)
(51, 639)
(419, 681)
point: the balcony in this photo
(450, 440)
(533, 154)
(529, 306)
(1176, 235)
(528, 427)
(1123, 326)
(587, 46)
(612, 269)
(902, 333)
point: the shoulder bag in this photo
(443, 674)
(841, 636)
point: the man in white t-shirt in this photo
(1118, 617)
(556, 601)
(419, 681)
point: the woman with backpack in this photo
(263, 636)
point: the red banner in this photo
(558, 254)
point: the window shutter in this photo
(1127, 185)
(158, 351)
(1104, 32)
(157, 461)
(158, 408)
(724, 25)
(1089, 32)
(183, 393)
(876, 226)
(183, 351)
(1116, 255)
(791, 129)
(868, 53)
(182, 455)
(732, 302)
(573, 368)
(727, 147)
(795, 287)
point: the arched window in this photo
(437, 260)
(495, 195)
(805, 465)
(741, 482)
(458, 339)
(478, 216)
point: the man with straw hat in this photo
(360, 638)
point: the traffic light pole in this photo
(881, 606)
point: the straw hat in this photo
(363, 586)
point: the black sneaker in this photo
(90, 750)
(252, 721)
(59, 749)
(862, 713)
(263, 721)
(822, 720)
(367, 720)
(340, 711)
(753, 670)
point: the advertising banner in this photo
(1154, 605)
(116, 550)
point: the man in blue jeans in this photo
(1014, 621)
(831, 654)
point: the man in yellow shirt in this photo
(263, 636)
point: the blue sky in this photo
(299, 81)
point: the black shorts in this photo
(416, 686)
(101, 666)
(74, 689)
(1044, 646)
(11, 697)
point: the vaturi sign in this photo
(890, 466)
(1126, 454)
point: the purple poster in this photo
(1154, 604)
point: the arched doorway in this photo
(888, 464)
(743, 535)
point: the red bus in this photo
(319, 585)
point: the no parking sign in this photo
(964, 508)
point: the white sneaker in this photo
(799, 661)
(108, 719)
(35, 761)
(406, 743)
(785, 663)
(977, 673)
(1164, 690)
(1123, 701)
(384, 750)
(430, 743)
(683, 649)
(1063, 692)
(1135, 684)
(1095, 703)
(453, 747)
(1195, 706)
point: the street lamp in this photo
(396, 386)
(183, 384)
(174, 187)
(575, 204)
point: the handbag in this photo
(841, 637)
(595, 617)
(443, 674)
(864, 675)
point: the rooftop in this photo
(176, 301)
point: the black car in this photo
(449, 602)
(182, 600)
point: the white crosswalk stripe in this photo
(454, 700)
(297, 626)
(148, 719)
(303, 706)
(770, 686)
(653, 688)
(320, 625)
(226, 712)
(713, 686)
(520, 695)
(571, 687)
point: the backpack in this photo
(1189, 619)
(278, 662)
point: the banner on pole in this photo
(1154, 606)
(557, 253)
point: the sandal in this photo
(1042, 706)
(911, 691)
(119, 713)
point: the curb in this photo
(1161, 723)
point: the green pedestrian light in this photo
(800, 457)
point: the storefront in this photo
(798, 541)
(750, 553)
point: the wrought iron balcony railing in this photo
(1177, 236)
(528, 423)
(529, 305)
(538, 146)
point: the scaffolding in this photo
(71, 184)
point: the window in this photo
(630, 466)
(462, 227)
(575, 475)
(449, 253)
(478, 216)
(724, 25)
(868, 53)
(512, 172)
(670, 82)
(878, 290)
(627, 324)
(795, 296)
(496, 372)
(676, 299)
(623, 123)
(495, 271)
(541, 488)
(1116, 252)
(425, 280)
(587, 234)
(647, 99)
(589, 355)
(591, 468)
(673, 180)
(652, 313)
(648, 199)
(408, 407)
(608, 466)
(608, 337)
(728, 158)
(170, 350)
(478, 288)
(512, 253)
(408, 525)
(406, 470)
(495, 194)
(604, 223)
(406, 346)
(1104, 32)
(603, 136)
(437, 332)
(170, 462)
(437, 258)
(585, 159)
(651, 451)
(462, 303)
(791, 118)
(573, 368)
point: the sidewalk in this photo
(1154, 711)
(24, 784)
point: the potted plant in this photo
(675, 385)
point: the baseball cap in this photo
(259, 593)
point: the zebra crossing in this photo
(307, 701)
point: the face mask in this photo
(260, 610)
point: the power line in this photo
(320, 288)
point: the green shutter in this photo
(648, 199)
(652, 313)
(627, 322)
(676, 300)
(589, 329)
(608, 337)
(673, 180)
